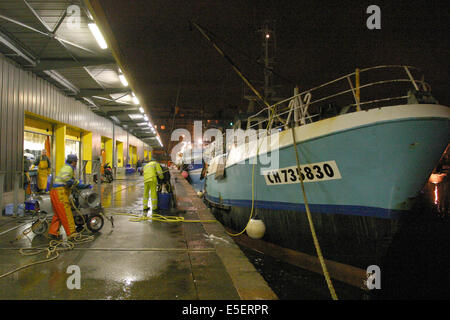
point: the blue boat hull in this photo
(369, 176)
(195, 171)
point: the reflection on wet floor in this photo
(132, 260)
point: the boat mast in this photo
(269, 46)
(267, 60)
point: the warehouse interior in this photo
(62, 90)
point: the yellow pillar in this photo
(60, 144)
(109, 151)
(86, 141)
(130, 154)
(119, 147)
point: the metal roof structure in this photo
(53, 39)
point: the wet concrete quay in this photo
(146, 260)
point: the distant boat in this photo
(192, 163)
(362, 165)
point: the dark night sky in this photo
(316, 41)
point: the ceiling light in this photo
(145, 117)
(141, 109)
(97, 35)
(123, 80)
(159, 140)
(135, 99)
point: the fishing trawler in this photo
(361, 161)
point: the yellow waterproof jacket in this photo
(151, 170)
(65, 177)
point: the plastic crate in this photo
(164, 201)
(9, 209)
(31, 205)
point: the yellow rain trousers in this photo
(43, 172)
(151, 171)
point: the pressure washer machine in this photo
(86, 208)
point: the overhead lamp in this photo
(145, 117)
(97, 35)
(141, 110)
(159, 140)
(123, 80)
(135, 99)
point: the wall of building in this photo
(22, 91)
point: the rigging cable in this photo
(271, 117)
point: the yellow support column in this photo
(86, 141)
(134, 155)
(109, 151)
(60, 144)
(119, 147)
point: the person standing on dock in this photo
(152, 171)
(59, 196)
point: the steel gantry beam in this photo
(17, 47)
(99, 92)
(55, 64)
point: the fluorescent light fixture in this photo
(141, 109)
(135, 99)
(145, 117)
(135, 116)
(159, 140)
(123, 80)
(97, 35)
(115, 119)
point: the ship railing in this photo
(296, 110)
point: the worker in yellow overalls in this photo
(43, 164)
(59, 195)
(152, 171)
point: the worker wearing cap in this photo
(43, 165)
(152, 171)
(59, 195)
